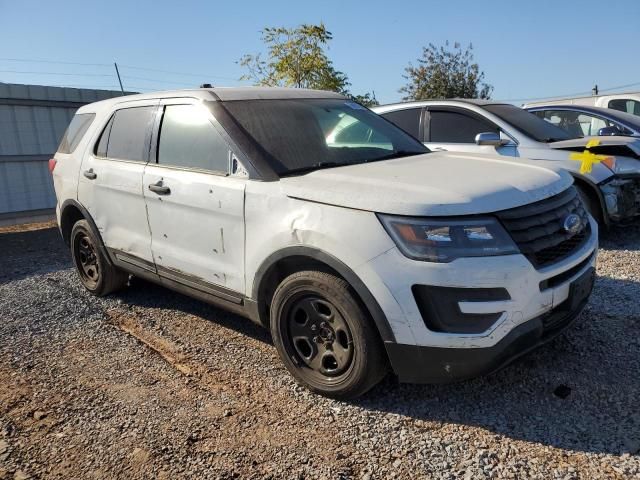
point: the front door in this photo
(195, 209)
(455, 130)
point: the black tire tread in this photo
(112, 278)
(376, 361)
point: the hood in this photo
(434, 184)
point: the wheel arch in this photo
(70, 212)
(291, 259)
(594, 192)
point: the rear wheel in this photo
(324, 336)
(96, 273)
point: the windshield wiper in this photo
(397, 154)
(315, 166)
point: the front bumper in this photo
(422, 364)
(621, 196)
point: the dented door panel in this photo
(197, 229)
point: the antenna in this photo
(119, 79)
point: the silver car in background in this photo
(611, 189)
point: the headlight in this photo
(444, 240)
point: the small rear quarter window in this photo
(75, 131)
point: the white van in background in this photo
(625, 102)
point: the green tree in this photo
(442, 72)
(297, 57)
(368, 99)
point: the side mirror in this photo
(607, 131)
(489, 138)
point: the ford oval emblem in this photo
(572, 223)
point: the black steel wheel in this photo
(319, 334)
(86, 258)
(96, 273)
(324, 336)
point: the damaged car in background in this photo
(609, 187)
(361, 254)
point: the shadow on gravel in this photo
(23, 254)
(146, 294)
(579, 392)
(621, 238)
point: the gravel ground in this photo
(151, 384)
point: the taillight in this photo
(52, 164)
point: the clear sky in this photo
(527, 49)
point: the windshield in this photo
(299, 135)
(528, 123)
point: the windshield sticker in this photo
(354, 106)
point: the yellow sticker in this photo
(587, 158)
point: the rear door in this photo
(408, 119)
(195, 209)
(455, 129)
(110, 182)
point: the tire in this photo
(325, 337)
(591, 204)
(96, 272)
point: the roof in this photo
(223, 94)
(444, 101)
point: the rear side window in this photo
(189, 140)
(625, 105)
(408, 120)
(126, 136)
(455, 127)
(75, 131)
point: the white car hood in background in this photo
(433, 184)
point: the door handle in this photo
(90, 174)
(440, 149)
(159, 188)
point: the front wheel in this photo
(324, 336)
(96, 273)
(591, 204)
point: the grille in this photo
(538, 228)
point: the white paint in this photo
(222, 228)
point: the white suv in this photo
(359, 254)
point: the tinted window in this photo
(528, 123)
(129, 135)
(408, 120)
(188, 139)
(576, 124)
(75, 131)
(350, 132)
(296, 135)
(624, 105)
(454, 127)
(101, 148)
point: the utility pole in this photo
(119, 79)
